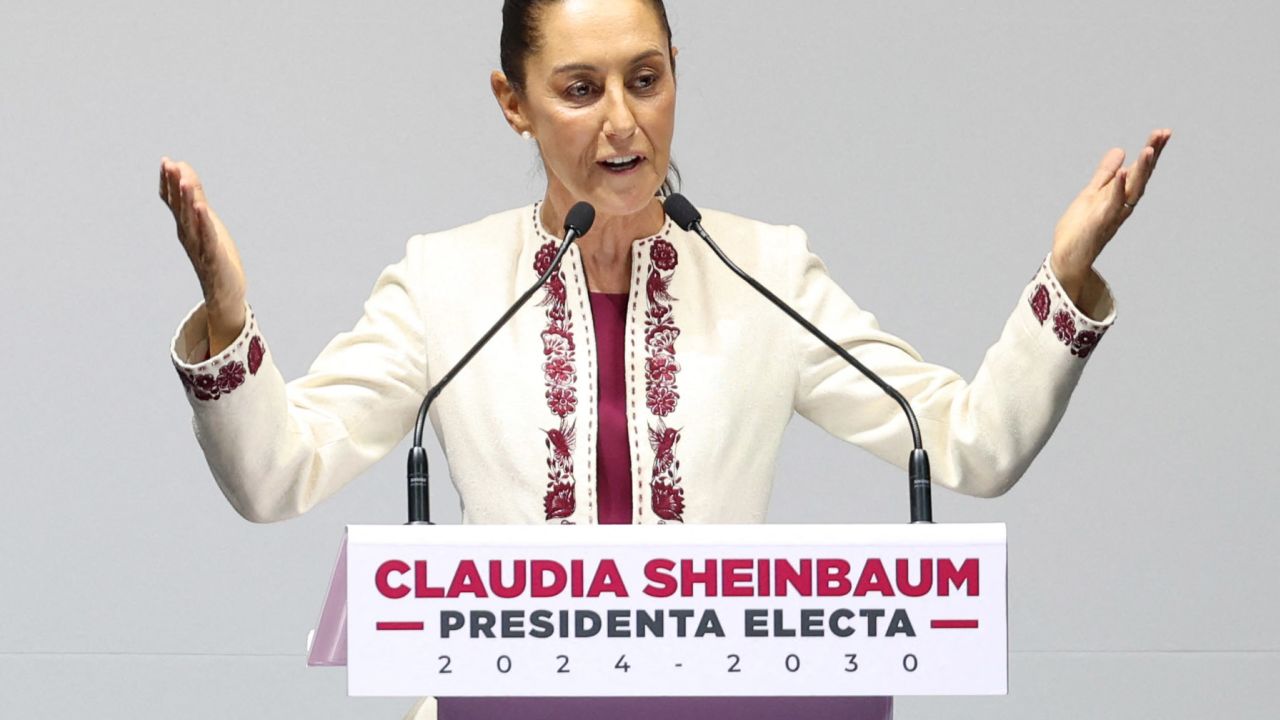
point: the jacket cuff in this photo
(1078, 329)
(207, 378)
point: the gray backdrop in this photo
(928, 148)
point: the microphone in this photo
(687, 218)
(576, 224)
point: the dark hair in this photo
(520, 39)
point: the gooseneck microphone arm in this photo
(687, 217)
(576, 224)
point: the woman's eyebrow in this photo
(588, 67)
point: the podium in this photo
(669, 611)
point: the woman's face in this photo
(600, 98)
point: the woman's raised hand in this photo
(1099, 210)
(211, 250)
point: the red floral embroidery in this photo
(664, 255)
(560, 375)
(559, 370)
(230, 377)
(661, 399)
(559, 501)
(1084, 343)
(661, 337)
(1064, 326)
(256, 353)
(1040, 303)
(557, 341)
(665, 491)
(661, 371)
(562, 400)
(555, 288)
(542, 261)
(207, 386)
(668, 501)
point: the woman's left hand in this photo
(1099, 210)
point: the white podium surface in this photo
(675, 610)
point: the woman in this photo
(649, 385)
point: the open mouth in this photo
(621, 163)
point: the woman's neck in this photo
(606, 250)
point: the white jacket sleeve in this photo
(981, 435)
(276, 449)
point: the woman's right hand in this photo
(211, 250)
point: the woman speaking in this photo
(648, 384)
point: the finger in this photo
(1118, 198)
(1139, 173)
(1153, 140)
(1111, 162)
(183, 215)
(187, 182)
(192, 179)
(164, 186)
(174, 177)
(1165, 134)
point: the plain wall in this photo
(928, 149)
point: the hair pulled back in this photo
(520, 39)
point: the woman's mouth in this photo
(621, 164)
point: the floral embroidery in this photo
(542, 261)
(558, 370)
(230, 377)
(660, 371)
(667, 495)
(256, 353)
(664, 255)
(207, 386)
(562, 400)
(1067, 326)
(1040, 303)
(559, 501)
(557, 342)
(1064, 326)
(560, 375)
(1084, 343)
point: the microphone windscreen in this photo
(580, 218)
(681, 211)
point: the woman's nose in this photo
(619, 122)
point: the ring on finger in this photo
(1130, 205)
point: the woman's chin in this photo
(620, 203)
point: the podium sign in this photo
(676, 610)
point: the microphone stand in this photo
(577, 223)
(688, 218)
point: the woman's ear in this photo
(509, 100)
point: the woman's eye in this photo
(579, 90)
(644, 82)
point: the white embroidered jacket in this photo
(713, 374)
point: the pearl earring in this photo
(526, 135)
